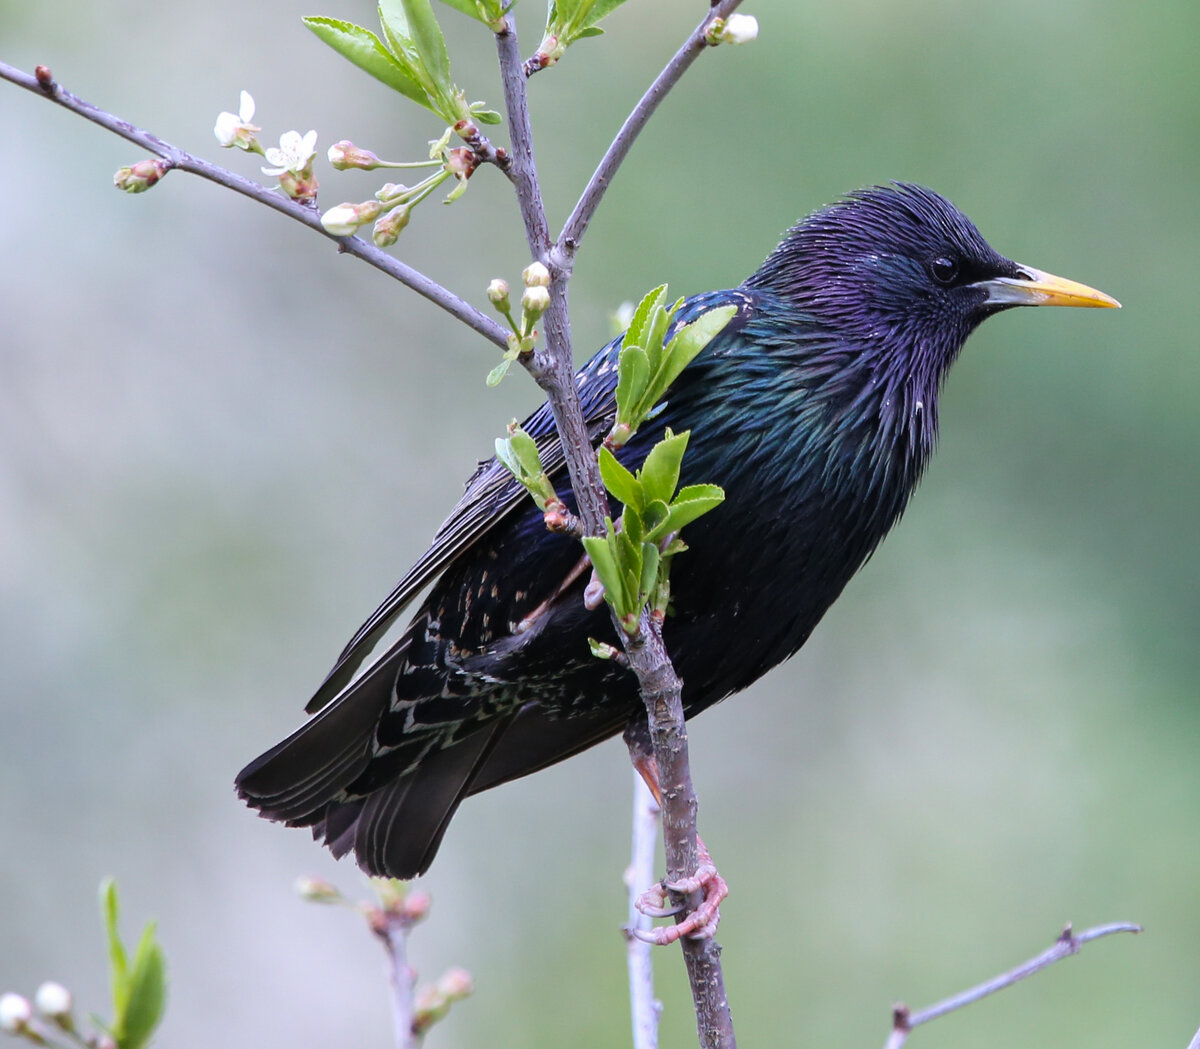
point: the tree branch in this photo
(44, 85)
(523, 170)
(553, 369)
(565, 248)
(645, 1009)
(1067, 944)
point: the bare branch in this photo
(392, 930)
(1067, 944)
(576, 226)
(44, 85)
(523, 168)
(644, 1007)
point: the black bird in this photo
(815, 409)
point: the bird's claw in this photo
(701, 923)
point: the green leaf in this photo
(692, 502)
(429, 41)
(619, 481)
(656, 328)
(118, 963)
(660, 472)
(641, 316)
(604, 560)
(654, 516)
(366, 50)
(649, 576)
(147, 994)
(526, 450)
(498, 372)
(504, 452)
(486, 116)
(478, 11)
(688, 342)
(590, 31)
(633, 373)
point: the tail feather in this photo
(294, 780)
(396, 830)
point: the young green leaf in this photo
(147, 994)
(660, 472)
(641, 315)
(693, 501)
(366, 50)
(526, 450)
(619, 481)
(650, 561)
(118, 963)
(688, 342)
(430, 44)
(633, 375)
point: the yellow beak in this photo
(1038, 288)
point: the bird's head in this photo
(902, 265)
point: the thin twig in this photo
(48, 88)
(393, 931)
(644, 1007)
(523, 166)
(1067, 944)
(567, 244)
(1195, 1042)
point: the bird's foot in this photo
(701, 923)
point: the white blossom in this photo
(235, 129)
(293, 154)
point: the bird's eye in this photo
(943, 269)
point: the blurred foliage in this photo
(220, 444)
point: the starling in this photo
(815, 409)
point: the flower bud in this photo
(455, 984)
(15, 1012)
(535, 275)
(317, 890)
(535, 301)
(497, 293)
(736, 29)
(460, 162)
(299, 186)
(53, 1000)
(387, 229)
(345, 154)
(139, 177)
(344, 219)
(416, 905)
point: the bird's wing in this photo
(493, 493)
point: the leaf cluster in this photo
(632, 561)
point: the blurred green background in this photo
(220, 445)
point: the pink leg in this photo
(656, 901)
(699, 924)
